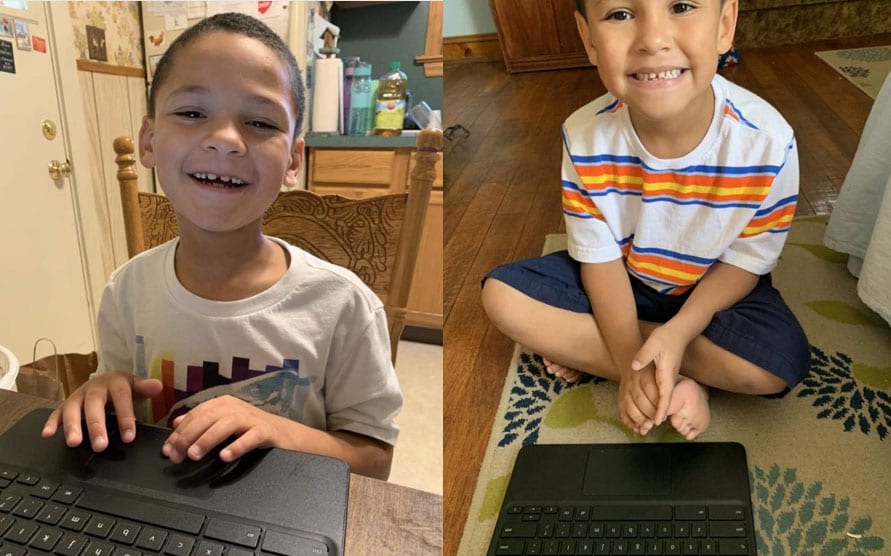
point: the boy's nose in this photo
(654, 34)
(225, 138)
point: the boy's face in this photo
(658, 56)
(222, 138)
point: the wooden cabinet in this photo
(538, 34)
(362, 172)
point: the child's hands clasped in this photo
(89, 402)
(212, 422)
(638, 399)
(664, 349)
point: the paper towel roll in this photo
(327, 94)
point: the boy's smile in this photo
(222, 135)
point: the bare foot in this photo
(559, 371)
(689, 409)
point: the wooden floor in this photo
(503, 195)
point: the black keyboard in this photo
(40, 516)
(632, 530)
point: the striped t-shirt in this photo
(730, 199)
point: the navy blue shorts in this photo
(760, 328)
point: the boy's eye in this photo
(619, 15)
(682, 7)
(189, 114)
(261, 124)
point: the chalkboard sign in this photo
(7, 58)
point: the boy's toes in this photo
(561, 372)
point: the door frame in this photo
(85, 202)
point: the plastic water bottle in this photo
(360, 100)
(389, 106)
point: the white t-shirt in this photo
(730, 199)
(314, 347)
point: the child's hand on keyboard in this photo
(215, 421)
(89, 402)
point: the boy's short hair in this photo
(240, 24)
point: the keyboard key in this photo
(66, 494)
(125, 532)
(100, 526)
(151, 539)
(71, 545)
(27, 508)
(511, 531)
(708, 548)
(21, 532)
(45, 539)
(654, 548)
(533, 548)
(99, 548)
(28, 479)
(5, 523)
(726, 513)
(75, 520)
(179, 545)
(8, 502)
(727, 529)
(8, 549)
(690, 548)
(207, 548)
(8, 474)
(51, 514)
(733, 548)
(292, 545)
(128, 508)
(244, 535)
(45, 489)
(690, 513)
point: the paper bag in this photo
(55, 376)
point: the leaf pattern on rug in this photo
(846, 313)
(840, 396)
(494, 496)
(532, 392)
(795, 519)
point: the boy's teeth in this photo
(214, 177)
(670, 74)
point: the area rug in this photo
(864, 67)
(819, 457)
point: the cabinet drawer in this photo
(365, 167)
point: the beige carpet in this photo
(819, 458)
(864, 67)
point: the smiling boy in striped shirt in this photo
(679, 188)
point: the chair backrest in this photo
(377, 238)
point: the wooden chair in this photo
(378, 238)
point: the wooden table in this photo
(382, 518)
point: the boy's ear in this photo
(727, 25)
(146, 135)
(295, 164)
(582, 24)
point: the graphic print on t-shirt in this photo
(277, 389)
